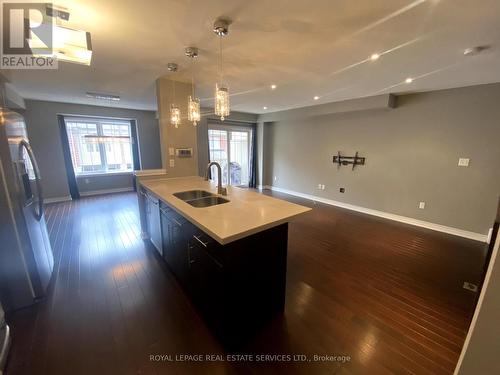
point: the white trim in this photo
(105, 191)
(57, 199)
(490, 234)
(403, 219)
(104, 174)
(150, 172)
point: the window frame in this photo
(228, 127)
(99, 121)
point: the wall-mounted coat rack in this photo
(346, 160)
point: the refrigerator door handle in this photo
(36, 171)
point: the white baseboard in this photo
(490, 233)
(105, 191)
(403, 219)
(57, 199)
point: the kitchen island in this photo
(230, 256)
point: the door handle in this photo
(190, 261)
(176, 222)
(204, 244)
(200, 241)
(36, 171)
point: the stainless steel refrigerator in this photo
(26, 259)
(4, 340)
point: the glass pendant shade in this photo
(175, 115)
(221, 101)
(194, 110)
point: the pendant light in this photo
(175, 111)
(222, 106)
(193, 102)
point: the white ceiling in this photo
(305, 47)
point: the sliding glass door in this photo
(230, 147)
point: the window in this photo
(99, 145)
(230, 147)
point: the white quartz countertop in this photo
(246, 213)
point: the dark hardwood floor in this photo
(386, 294)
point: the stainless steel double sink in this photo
(200, 198)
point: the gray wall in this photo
(412, 153)
(482, 345)
(43, 130)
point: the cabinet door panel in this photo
(155, 225)
(206, 276)
(166, 236)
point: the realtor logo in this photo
(27, 38)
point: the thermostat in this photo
(184, 152)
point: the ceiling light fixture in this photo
(409, 80)
(273, 87)
(194, 113)
(175, 111)
(222, 105)
(264, 108)
(374, 57)
(68, 45)
(316, 98)
(57, 12)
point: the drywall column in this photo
(202, 130)
(262, 153)
(171, 137)
(482, 345)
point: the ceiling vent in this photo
(108, 97)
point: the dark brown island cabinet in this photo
(236, 286)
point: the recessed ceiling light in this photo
(409, 80)
(374, 57)
(264, 108)
(475, 50)
(273, 87)
(316, 98)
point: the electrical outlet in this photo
(470, 286)
(171, 163)
(275, 178)
(463, 162)
(171, 151)
(421, 205)
(321, 187)
(342, 190)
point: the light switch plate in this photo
(171, 151)
(171, 163)
(463, 162)
(421, 205)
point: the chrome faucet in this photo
(220, 190)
